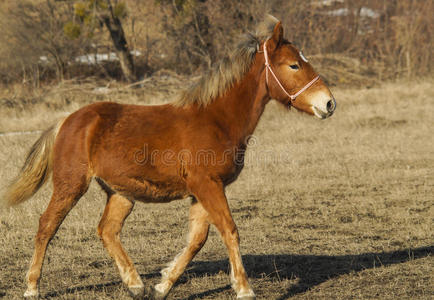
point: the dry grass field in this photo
(335, 209)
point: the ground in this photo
(326, 209)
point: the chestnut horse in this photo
(107, 141)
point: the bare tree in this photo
(93, 14)
(113, 23)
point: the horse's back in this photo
(123, 145)
(114, 121)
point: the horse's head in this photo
(291, 80)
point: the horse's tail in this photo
(36, 170)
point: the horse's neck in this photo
(239, 110)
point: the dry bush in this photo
(386, 39)
(200, 32)
(41, 43)
(33, 30)
(404, 40)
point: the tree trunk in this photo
(117, 35)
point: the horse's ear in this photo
(277, 36)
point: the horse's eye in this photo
(294, 67)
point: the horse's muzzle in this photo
(326, 110)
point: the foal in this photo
(111, 143)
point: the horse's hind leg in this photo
(197, 236)
(116, 211)
(62, 201)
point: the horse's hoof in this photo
(246, 298)
(153, 294)
(137, 293)
(31, 295)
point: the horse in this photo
(112, 143)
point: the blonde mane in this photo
(229, 70)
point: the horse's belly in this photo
(148, 191)
(158, 194)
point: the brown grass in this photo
(336, 209)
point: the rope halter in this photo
(268, 69)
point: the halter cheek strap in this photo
(268, 69)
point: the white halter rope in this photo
(268, 68)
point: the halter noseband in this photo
(268, 68)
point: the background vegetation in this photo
(349, 41)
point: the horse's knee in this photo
(107, 233)
(235, 236)
(230, 232)
(197, 244)
(104, 232)
(48, 225)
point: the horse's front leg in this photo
(210, 193)
(197, 235)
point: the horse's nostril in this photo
(331, 105)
